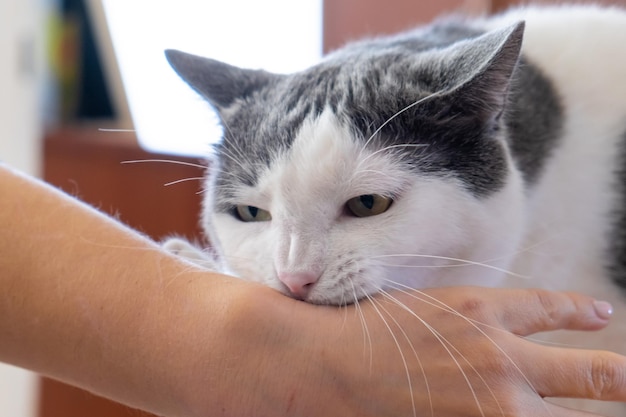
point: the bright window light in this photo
(277, 35)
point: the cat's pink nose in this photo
(299, 283)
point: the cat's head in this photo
(384, 165)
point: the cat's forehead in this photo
(327, 163)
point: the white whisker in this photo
(366, 333)
(398, 113)
(167, 184)
(104, 129)
(386, 148)
(233, 175)
(396, 301)
(448, 258)
(411, 292)
(395, 339)
(363, 171)
(234, 159)
(166, 161)
(447, 345)
(241, 154)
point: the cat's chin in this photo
(322, 296)
(320, 299)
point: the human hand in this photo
(443, 352)
(473, 363)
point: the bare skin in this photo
(90, 302)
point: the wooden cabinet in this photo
(111, 171)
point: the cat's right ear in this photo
(219, 83)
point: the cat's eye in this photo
(368, 205)
(252, 214)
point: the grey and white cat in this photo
(486, 152)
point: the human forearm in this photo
(106, 303)
(94, 304)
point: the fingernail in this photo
(604, 310)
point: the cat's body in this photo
(463, 162)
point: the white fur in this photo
(581, 51)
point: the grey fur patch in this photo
(534, 118)
(617, 238)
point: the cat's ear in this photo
(483, 67)
(219, 83)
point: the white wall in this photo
(18, 392)
(21, 24)
(21, 43)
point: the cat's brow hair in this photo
(218, 170)
(234, 144)
(389, 148)
(395, 115)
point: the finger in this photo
(553, 410)
(525, 312)
(574, 373)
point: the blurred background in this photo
(84, 87)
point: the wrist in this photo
(263, 360)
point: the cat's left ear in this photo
(483, 68)
(219, 83)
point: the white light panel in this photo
(277, 35)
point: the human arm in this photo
(90, 302)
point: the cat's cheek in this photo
(248, 248)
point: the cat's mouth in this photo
(311, 296)
(326, 291)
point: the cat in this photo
(487, 152)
